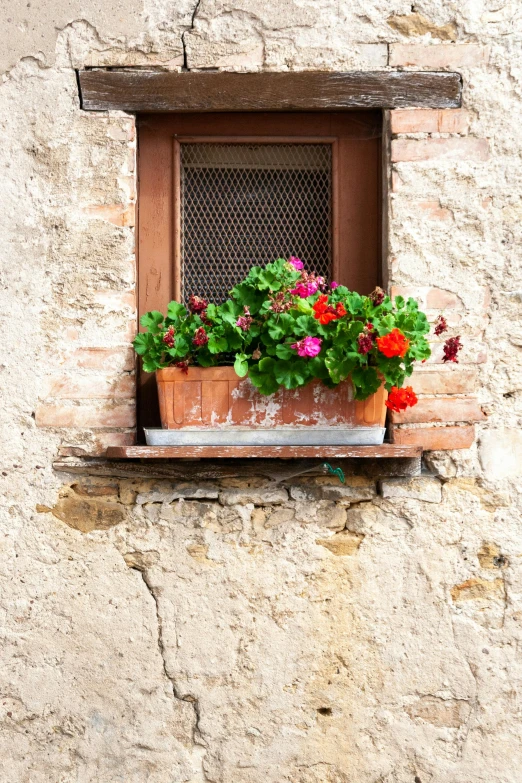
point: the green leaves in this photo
(291, 374)
(152, 321)
(365, 382)
(339, 364)
(262, 376)
(175, 310)
(241, 365)
(275, 319)
(217, 344)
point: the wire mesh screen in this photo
(246, 204)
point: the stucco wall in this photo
(235, 630)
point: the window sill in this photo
(387, 450)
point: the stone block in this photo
(343, 543)
(169, 495)
(426, 488)
(258, 497)
(84, 513)
(325, 513)
(346, 494)
(500, 453)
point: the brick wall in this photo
(89, 397)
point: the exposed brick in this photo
(430, 298)
(433, 210)
(438, 55)
(430, 121)
(116, 300)
(458, 380)
(117, 214)
(439, 299)
(110, 359)
(396, 182)
(425, 488)
(48, 415)
(473, 353)
(434, 438)
(432, 409)
(414, 150)
(92, 387)
(97, 447)
(417, 292)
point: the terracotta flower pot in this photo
(216, 397)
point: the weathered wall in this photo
(234, 631)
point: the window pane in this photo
(246, 204)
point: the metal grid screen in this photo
(246, 204)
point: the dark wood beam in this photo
(275, 470)
(151, 91)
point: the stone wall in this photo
(247, 629)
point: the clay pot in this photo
(216, 397)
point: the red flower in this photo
(168, 337)
(364, 343)
(441, 325)
(183, 366)
(197, 304)
(451, 348)
(200, 336)
(393, 344)
(325, 313)
(377, 296)
(400, 399)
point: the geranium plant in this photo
(285, 327)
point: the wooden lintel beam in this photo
(160, 91)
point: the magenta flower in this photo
(305, 289)
(333, 284)
(308, 346)
(296, 262)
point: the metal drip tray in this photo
(269, 436)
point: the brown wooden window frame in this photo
(355, 137)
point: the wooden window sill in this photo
(387, 450)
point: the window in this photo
(221, 192)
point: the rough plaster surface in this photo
(168, 634)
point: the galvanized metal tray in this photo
(273, 436)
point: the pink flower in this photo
(305, 289)
(333, 284)
(308, 346)
(296, 262)
(244, 321)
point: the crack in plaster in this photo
(183, 34)
(197, 738)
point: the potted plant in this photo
(286, 355)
